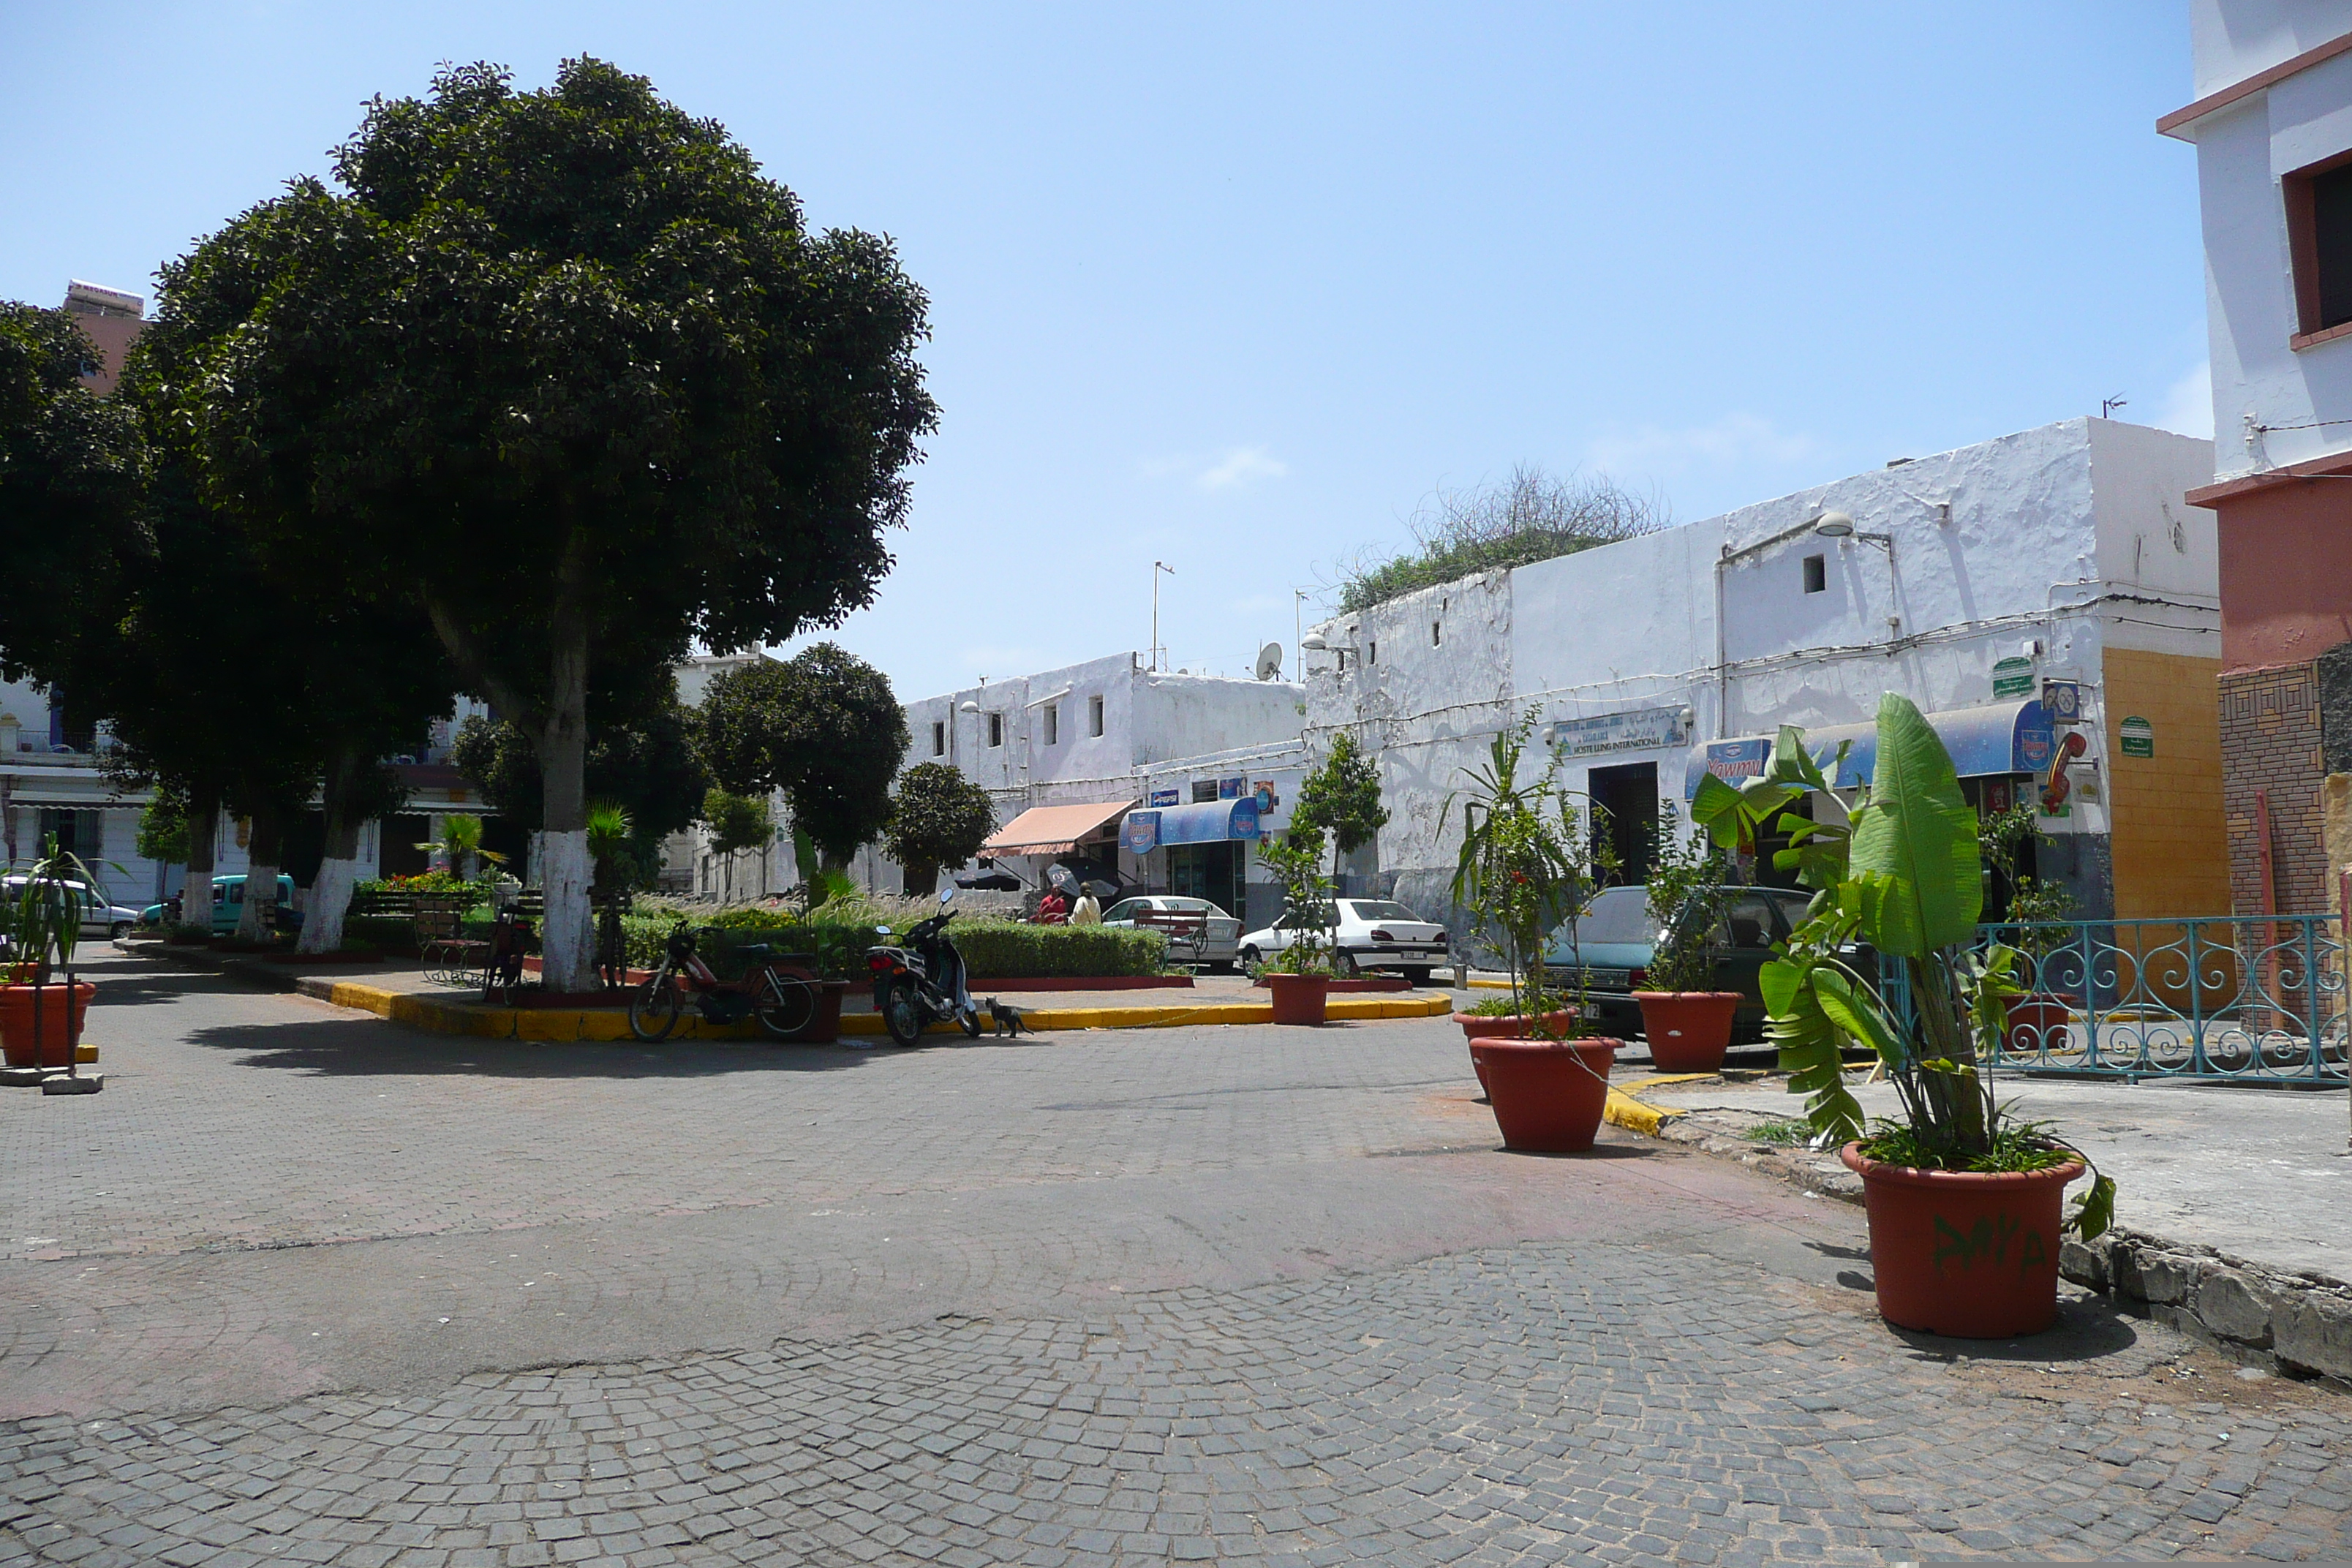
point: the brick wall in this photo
(2270, 741)
(2170, 843)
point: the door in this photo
(1628, 797)
(1210, 871)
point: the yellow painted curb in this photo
(613, 1024)
(1623, 1110)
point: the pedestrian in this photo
(1052, 910)
(1086, 911)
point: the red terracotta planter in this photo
(1298, 998)
(1688, 1031)
(2036, 1024)
(59, 1026)
(1547, 1095)
(1972, 1254)
(1479, 1026)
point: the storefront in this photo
(1200, 850)
(1085, 835)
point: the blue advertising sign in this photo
(1140, 833)
(1165, 798)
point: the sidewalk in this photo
(2233, 1207)
(397, 990)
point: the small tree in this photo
(460, 845)
(737, 822)
(1342, 797)
(1296, 862)
(1687, 894)
(937, 818)
(823, 727)
(163, 828)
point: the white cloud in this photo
(2189, 404)
(1239, 466)
(1734, 438)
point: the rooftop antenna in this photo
(1158, 654)
(2107, 407)
(1298, 627)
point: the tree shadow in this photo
(367, 1046)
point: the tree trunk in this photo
(196, 896)
(330, 894)
(261, 876)
(568, 945)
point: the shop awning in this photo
(1998, 739)
(1052, 829)
(1205, 822)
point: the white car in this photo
(1370, 934)
(98, 917)
(1198, 930)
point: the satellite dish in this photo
(1269, 661)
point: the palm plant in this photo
(461, 844)
(41, 915)
(1901, 877)
(1526, 867)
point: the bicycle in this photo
(783, 999)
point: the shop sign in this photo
(2138, 737)
(1642, 730)
(1166, 796)
(1734, 762)
(2012, 676)
(2062, 700)
(1140, 834)
(1232, 789)
(1268, 798)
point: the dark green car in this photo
(1613, 942)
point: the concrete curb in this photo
(606, 1023)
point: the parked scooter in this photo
(922, 981)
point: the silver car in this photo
(100, 916)
(1370, 934)
(1199, 932)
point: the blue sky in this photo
(1235, 288)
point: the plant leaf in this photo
(2094, 1211)
(1918, 838)
(1809, 1045)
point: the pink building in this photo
(112, 318)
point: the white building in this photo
(1077, 751)
(1965, 581)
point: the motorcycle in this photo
(922, 980)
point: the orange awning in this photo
(1053, 829)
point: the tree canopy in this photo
(822, 726)
(1342, 795)
(1532, 516)
(564, 373)
(937, 818)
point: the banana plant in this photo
(1909, 888)
(1735, 816)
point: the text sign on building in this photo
(1734, 762)
(1642, 730)
(2062, 700)
(1140, 834)
(2012, 676)
(1166, 796)
(2138, 737)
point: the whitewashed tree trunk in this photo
(568, 946)
(196, 896)
(330, 900)
(260, 896)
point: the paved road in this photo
(300, 1286)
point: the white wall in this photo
(2231, 40)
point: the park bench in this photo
(449, 958)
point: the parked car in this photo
(228, 905)
(1614, 939)
(1198, 930)
(100, 915)
(1378, 934)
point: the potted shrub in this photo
(2038, 1017)
(40, 1022)
(1299, 979)
(1687, 1025)
(1524, 869)
(1963, 1200)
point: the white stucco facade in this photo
(2051, 546)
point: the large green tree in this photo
(824, 727)
(937, 818)
(562, 370)
(1342, 796)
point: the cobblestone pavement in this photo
(1300, 1312)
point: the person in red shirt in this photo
(1052, 910)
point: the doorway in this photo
(1210, 871)
(1626, 823)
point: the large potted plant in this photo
(1687, 1025)
(1299, 978)
(41, 1021)
(1963, 1200)
(1526, 868)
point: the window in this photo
(1436, 635)
(938, 738)
(1094, 715)
(2319, 238)
(1816, 574)
(1053, 723)
(1372, 651)
(996, 729)
(1204, 790)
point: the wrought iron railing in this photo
(2238, 999)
